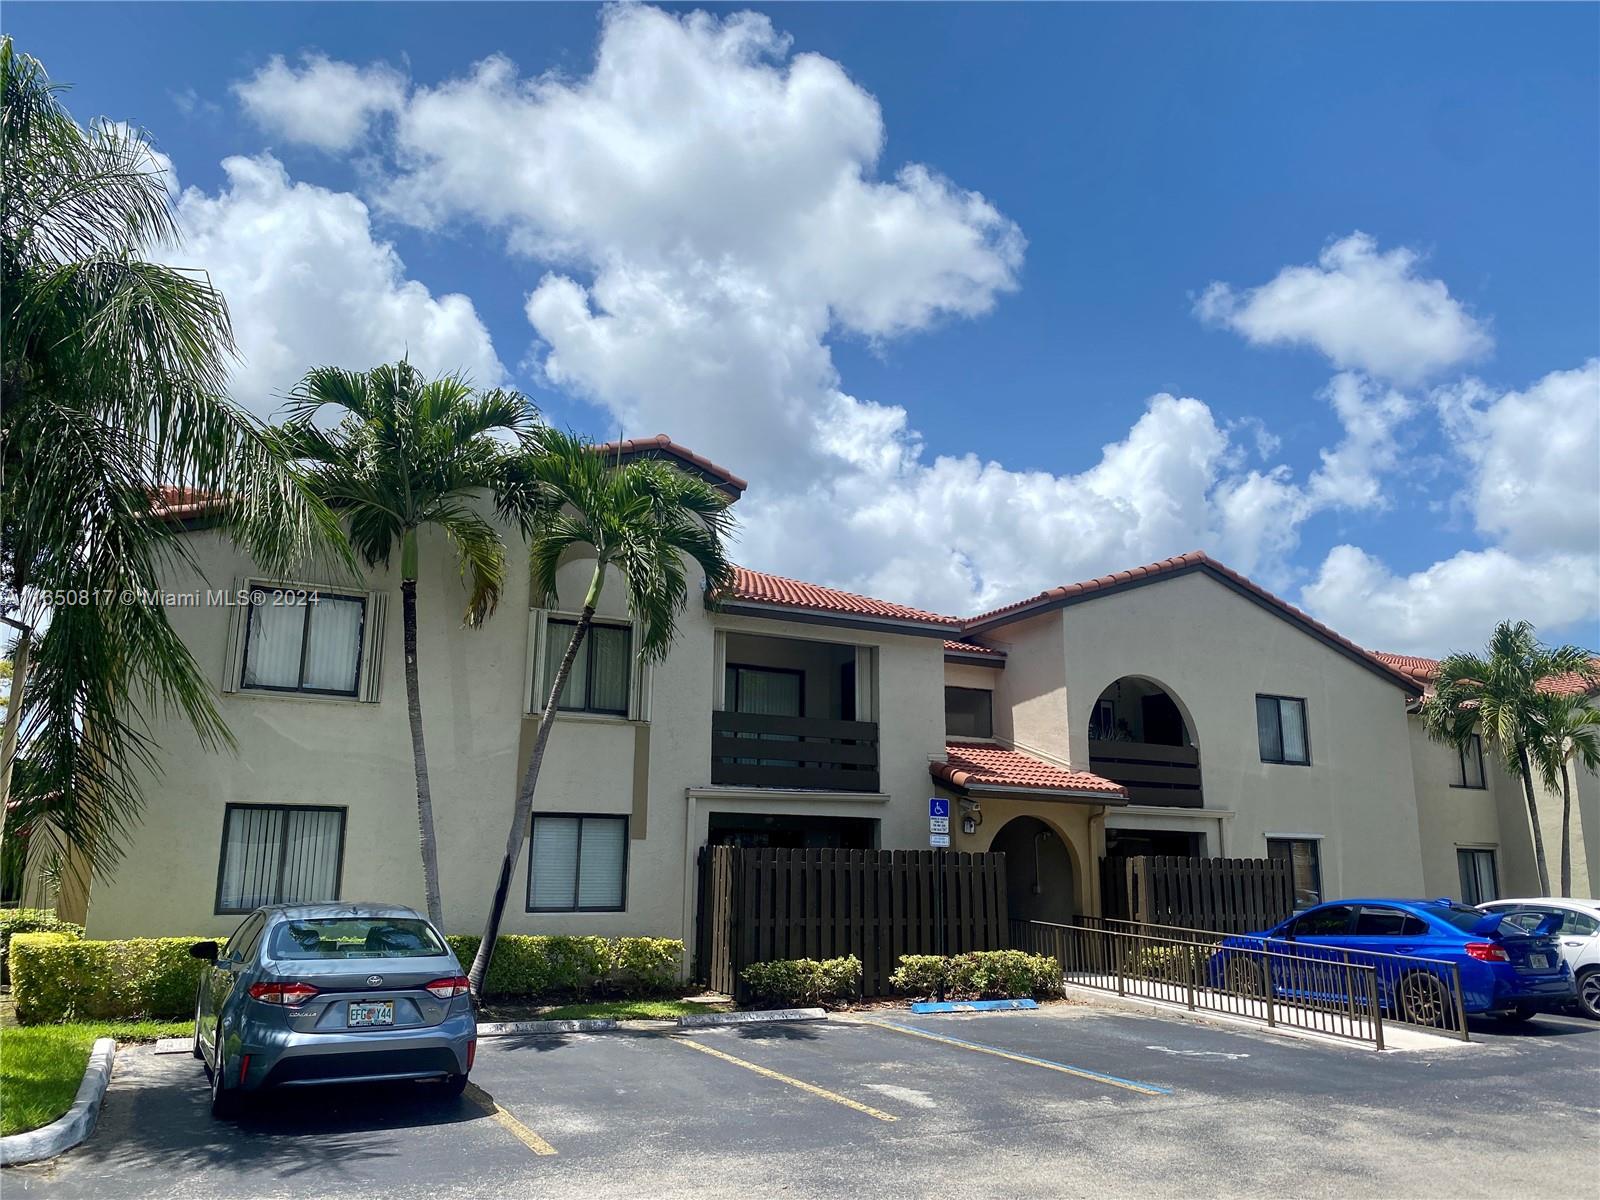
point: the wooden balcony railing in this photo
(794, 752)
(1159, 775)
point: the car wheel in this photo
(453, 1086)
(1589, 993)
(1244, 977)
(1425, 1001)
(225, 1101)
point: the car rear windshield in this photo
(1459, 915)
(356, 937)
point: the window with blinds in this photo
(279, 854)
(578, 863)
(296, 643)
(1478, 882)
(1281, 730)
(600, 675)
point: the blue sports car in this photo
(1506, 970)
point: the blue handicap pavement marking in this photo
(955, 1006)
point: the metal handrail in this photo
(1323, 988)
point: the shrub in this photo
(29, 920)
(62, 978)
(534, 965)
(642, 965)
(805, 981)
(1004, 974)
(1163, 964)
(921, 974)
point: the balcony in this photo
(1152, 773)
(754, 750)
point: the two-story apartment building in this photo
(1176, 708)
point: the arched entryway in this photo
(1039, 880)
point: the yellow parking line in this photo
(812, 1088)
(1145, 1089)
(516, 1128)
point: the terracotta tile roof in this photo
(973, 648)
(986, 767)
(175, 503)
(1425, 670)
(758, 587)
(661, 446)
(1195, 560)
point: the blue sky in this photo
(1127, 157)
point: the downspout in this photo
(1097, 853)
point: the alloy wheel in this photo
(1423, 1001)
(1589, 993)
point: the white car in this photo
(1579, 934)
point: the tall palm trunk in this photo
(1566, 830)
(1525, 768)
(419, 751)
(8, 744)
(530, 780)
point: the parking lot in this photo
(1068, 1101)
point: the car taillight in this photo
(282, 991)
(1487, 952)
(456, 985)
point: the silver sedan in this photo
(307, 994)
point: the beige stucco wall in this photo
(1213, 651)
(1452, 818)
(297, 750)
(1496, 817)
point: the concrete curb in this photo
(759, 1017)
(509, 1028)
(77, 1123)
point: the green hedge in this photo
(805, 981)
(56, 977)
(981, 975)
(29, 920)
(60, 977)
(532, 965)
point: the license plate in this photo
(1539, 962)
(371, 1012)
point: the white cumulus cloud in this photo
(308, 284)
(1364, 308)
(1453, 604)
(1535, 458)
(323, 103)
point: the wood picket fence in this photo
(759, 905)
(1223, 895)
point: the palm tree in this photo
(410, 454)
(113, 370)
(1571, 734)
(1497, 695)
(644, 520)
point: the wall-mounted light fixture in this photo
(971, 815)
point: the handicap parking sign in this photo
(938, 806)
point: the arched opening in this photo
(1039, 880)
(1141, 735)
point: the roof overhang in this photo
(1051, 602)
(979, 791)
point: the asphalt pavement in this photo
(1067, 1101)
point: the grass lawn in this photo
(631, 1010)
(41, 1066)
